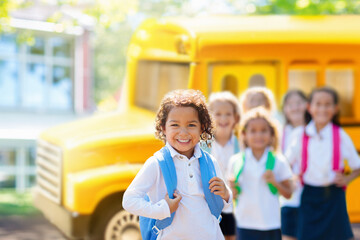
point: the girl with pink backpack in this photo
(320, 150)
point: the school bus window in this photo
(230, 83)
(303, 79)
(343, 81)
(155, 79)
(257, 80)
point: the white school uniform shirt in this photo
(257, 208)
(319, 170)
(288, 135)
(193, 219)
(223, 154)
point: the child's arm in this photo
(342, 180)
(219, 186)
(173, 203)
(147, 178)
(284, 187)
(348, 151)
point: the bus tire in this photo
(114, 223)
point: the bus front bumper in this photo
(71, 224)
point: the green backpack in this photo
(239, 167)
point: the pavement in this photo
(38, 228)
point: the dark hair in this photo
(335, 120)
(303, 96)
(184, 98)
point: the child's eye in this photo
(174, 125)
(192, 125)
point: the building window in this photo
(37, 76)
(302, 79)
(342, 80)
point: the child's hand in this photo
(232, 187)
(217, 186)
(340, 179)
(173, 203)
(269, 177)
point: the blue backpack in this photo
(150, 228)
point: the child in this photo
(182, 120)
(296, 116)
(258, 176)
(225, 112)
(321, 153)
(256, 97)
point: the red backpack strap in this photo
(304, 156)
(336, 147)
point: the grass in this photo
(14, 203)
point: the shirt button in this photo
(181, 157)
(189, 164)
(191, 175)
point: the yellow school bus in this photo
(85, 166)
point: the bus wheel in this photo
(117, 224)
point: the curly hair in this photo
(260, 113)
(248, 96)
(224, 96)
(184, 98)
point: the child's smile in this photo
(182, 130)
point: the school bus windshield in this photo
(154, 79)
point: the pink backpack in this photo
(336, 152)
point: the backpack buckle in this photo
(156, 230)
(219, 218)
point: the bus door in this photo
(237, 77)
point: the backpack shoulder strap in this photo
(169, 173)
(270, 164)
(336, 147)
(207, 170)
(236, 145)
(239, 163)
(304, 156)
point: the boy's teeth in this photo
(183, 140)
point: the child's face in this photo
(294, 109)
(183, 129)
(225, 118)
(255, 100)
(258, 134)
(322, 108)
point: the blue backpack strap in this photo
(150, 228)
(236, 145)
(169, 173)
(207, 170)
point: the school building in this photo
(45, 80)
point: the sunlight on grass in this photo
(13, 203)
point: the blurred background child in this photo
(325, 146)
(225, 112)
(258, 176)
(296, 116)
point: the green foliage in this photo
(309, 7)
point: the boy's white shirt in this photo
(193, 219)
(222, 154)
(294, 201)
(319, 170)
(257, 208)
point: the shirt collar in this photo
(263, 157)
(173, 152)
(310, 130)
